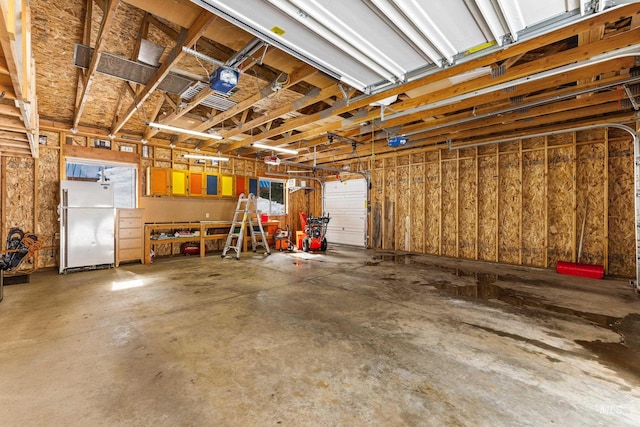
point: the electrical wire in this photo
(195, 48)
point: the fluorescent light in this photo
(268, 147)
(187, 131)
(204, 157)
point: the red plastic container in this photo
(191, 249)
(581, 270)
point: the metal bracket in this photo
(632, 98)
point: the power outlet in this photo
(206, 215)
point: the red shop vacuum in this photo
(315, 229)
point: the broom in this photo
(576, 268)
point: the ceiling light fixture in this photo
(187, 131)
(268, 147)
(204, 157)
(73, 130)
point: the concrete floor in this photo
(346, 338)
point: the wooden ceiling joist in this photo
(105, 28)
(296, 77)
(443, 101)
(186, 39)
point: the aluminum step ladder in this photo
(246, 214)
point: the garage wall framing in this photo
(522, 201)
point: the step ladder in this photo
(246, 214)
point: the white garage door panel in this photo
(346, 203)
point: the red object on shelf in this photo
(581, 270)
(264, 217)
(191, 249)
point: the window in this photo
(123, 176)
(271, 197)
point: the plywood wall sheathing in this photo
(590, 188)
(180, 165)
(377, 203)
(226, 168)
(533, 143)
(520, 203)
(467, 205)
(48, 185)
(162, 154)
(487, 205)
(509, 207)
(485, 150)
(403, 207)
(432, 156)
(560, 139)
(53, 138)
(239, 167)
(19, 195)
(560, 205)
(533, 204)
(432, 206)
(621, 206)
(389, 214)
(250, 168)
(417, 205)
(80, 141)
(449, 205)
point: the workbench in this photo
(200, 231)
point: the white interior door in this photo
(346, 204)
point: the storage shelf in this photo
(203, 227)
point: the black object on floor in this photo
(17, 279)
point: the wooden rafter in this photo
(19, 84)
(471, 86)
(300, 74)
(127, 87)
(293, 106)
(105, 27)
(186, 39)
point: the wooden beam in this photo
(186, 39)
(8, 143)
(292, 106)
(9, 110)
(11, 123)
(15, 152)
(297, 76)
(86, 40)
(515, 116)
(142, 33)
(13, 136)
(179, 112)
(9, 48)
(521, 71)
(105, 27)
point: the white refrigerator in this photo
(87, 224)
